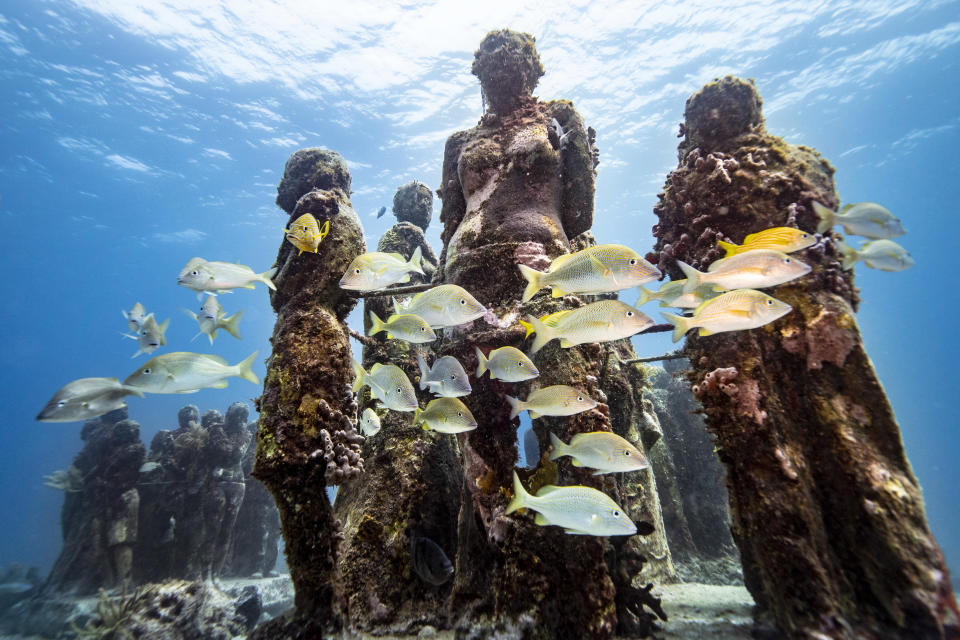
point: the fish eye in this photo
(423, 328)
(194, 273)
(804, 236)
(147, 370)
(633, 261)
(629, 314)
(453, 377)
(616, 514)
(786, 260)
(399, 390)
(459, 414)
(61, 403)
(462, 301)
(626, 453)
(579, 398)
(357, 271)
(769, 302)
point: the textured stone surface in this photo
(413, 203)
(99, 519)
(306, 439)
(826, 512)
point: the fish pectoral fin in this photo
(541, 520)
(250, 286)
(565, 344)
(575, 462)
(189, 391)
(220, 385)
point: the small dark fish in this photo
(429, 561)
(382, 211)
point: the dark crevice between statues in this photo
(826, 512)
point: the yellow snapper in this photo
(404, 326)
(212, 317)
(557, 400)
(369, 422)
(732, 311)
(134, 317)
(204, 276)
(185, 372)
(445, 415)
(446, 305)
(579, 510)
(601, 450)
(597, 269)
(867, 219)
(151, 335)
(376, 270)
(305, 233)
(785, 239)
(446, 378)
(596, 322)
(388, 384)
(506, 363)
(86, 398)
(885, 255)
(754, 269)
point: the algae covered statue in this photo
(826, 511)
(517, 189)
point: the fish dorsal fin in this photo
(398, 256)
(242, 265)
(751, 237)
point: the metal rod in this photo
(396, 291)
(668, 356)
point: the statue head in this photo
(509, 68)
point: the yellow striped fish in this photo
(732, 311)
(596, 322)
(305, 233)
(597, 269)
(784, 239)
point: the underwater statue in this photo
(518, 190)
(827, 514)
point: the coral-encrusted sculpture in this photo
(99, 520)
(514, 192)
(826, 512)
(306, 440)
(411, 485)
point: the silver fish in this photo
(732, 311)
(184, 372)
(597, 269)
(147, 467)
(209, 277)
(446, 305)
(596, 322)
(579, 510)
(445, 415)
(377, 270)
(506, 363)
(403, 326)
(86, 398)
(212, 318)
(134, 317)
(388, 384)
(151, 335)
(754, 269)
(867, 219)
(601, 450)
(369, 422)
(446, 378)
(885, 255)
(556, 400)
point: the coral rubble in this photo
(826, 512)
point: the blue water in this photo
(137, 136)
